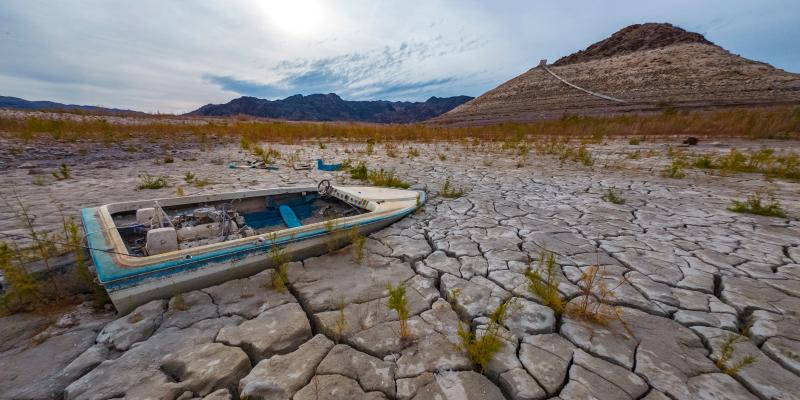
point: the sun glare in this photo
(297, 17)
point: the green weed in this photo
(152, 182)
(726, 353)
(612, 195)
(756, 205)
(543, 282)
(399, 303)
(63, 172)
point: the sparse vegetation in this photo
(152, 182)
(341, 323)
(391, 150)
(399, 303)
(674, 170)
(168, 159)
(63, 173)
(726, 354)
(179, 191)
(280, 261)
(582, 155)
(756, 205)
(202, 182)
(635, 141)
(380, 177)
(412, 152)
(358, 241)
(481, 348)
(751, 123)
(22, 289)
(179, 302)
(450, 191)
(359, 171)
(612, 195)
(543, 282)
(267, 156)
(785, 165)
(592, 304)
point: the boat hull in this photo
(127, 299)
(129, 287)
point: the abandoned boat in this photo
(150, 249)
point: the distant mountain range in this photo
(331, 107)
(22, 104)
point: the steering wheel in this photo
(324, 188)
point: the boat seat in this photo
(289, 216)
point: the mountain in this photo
(22, 104)
(331, 107)
(643, 68)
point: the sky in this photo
(174, 56)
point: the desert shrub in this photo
(387, 178)
(612, 195)
(412, 152)
(63, 172)
(399, 303)
(152, 182)
(22, 289)
(635, 141)
(703, 162)
(358, 241)
(543, 282)
(168, 159)
(726, 354)
(481, 348)
(280, 278)
(202, 182)
(756, 205)
(280, 261)
(391, 150)
(674, 170)
(179, 302)
(341, 323)
(359, 171)
(451, 192)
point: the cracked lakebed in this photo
(688, 274)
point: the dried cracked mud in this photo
(687, 272)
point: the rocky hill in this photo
(17, 103)
(650, 67)
(331, 107)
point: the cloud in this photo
(163, 56)
(377, 74)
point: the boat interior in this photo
(160, 229)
